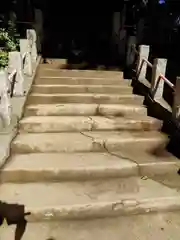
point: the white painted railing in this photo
(158, 78)
(12, 79)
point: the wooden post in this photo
(27, 63)
(32, 38)
(157, 85)
(141, 69)
(176, 104)
(15, 63)
(5, 106)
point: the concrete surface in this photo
(80, 80)
(116, 89)
(77, 156)
(162, 226)
(8, 133)
(37, 98)
(40, 124)
(91, 199)
(79, 73)
(82, 142)
(80, 109)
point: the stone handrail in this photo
(158, 78)
(12, 79)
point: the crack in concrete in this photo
(120, 156)
(123, 157)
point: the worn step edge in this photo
(104, 209)
(113, 89)
(19, 172)
(35, 98)
(81, 142)
(35, 167)
(51, 124)
(80, 109)
(80, 81)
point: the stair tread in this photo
(83, 141)
(88, 165)
(80, 123)
(144, 227)
(82, 193)
(129, 118)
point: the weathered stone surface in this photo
(74, 109)
(98, 198)
(51, 124)
(79, 73)
(144, 227)
(66, 166)
(116, 89)
(79, 80)
(85, 142)
(36, 98)
(97, 171)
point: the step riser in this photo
(49, 72)
(96, 145)
(79, 81)
(80, 89)
(88, 110)
(90, 211)
(82, 99)
(82, 174)
(89, 126)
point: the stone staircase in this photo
(88, 162)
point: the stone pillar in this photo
(31, 36)
(157, 85)
(176, 105)
(26, 53)
(5, 106)
(15, 63)
(142, 67)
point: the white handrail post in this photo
(15, 63)
(32, 38)
(143, 54)
(176, 104)
(5, 106)
(157, 85)
(25, 49)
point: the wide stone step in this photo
(116, 89)
(79, 73)
(50, 167)
(80, 81)
(84, 141)
(74, 109)
(137, 227)
(53, 124)
(47, 167)
(36, 98)
(91, 199)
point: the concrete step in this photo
(80, 81)
(84, 141)
(78, 73)
(36, 98)
(91, 199)
(74, 109)
(53, 124)
(116, 89)
(50, 167)
(138, 227)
